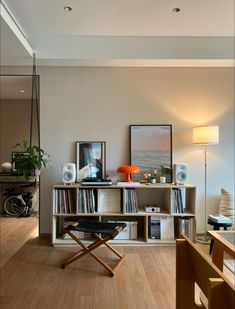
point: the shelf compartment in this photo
(109, 200)
(150, 196)
(161, 228)
(141, 223)
(64, 201)
(183, 200)
(61, 221)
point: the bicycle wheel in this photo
(12, 206)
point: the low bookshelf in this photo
(175, 205)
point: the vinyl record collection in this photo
(65, 201)
(131, 201)
(86, 201)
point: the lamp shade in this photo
(206, 135)
(128, 170)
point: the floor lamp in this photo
(205, 135)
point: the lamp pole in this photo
(205, 135)
(205, 195)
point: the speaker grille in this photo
(68, 176)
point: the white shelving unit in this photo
(112, 203)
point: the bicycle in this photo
(18, 204)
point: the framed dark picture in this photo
(151, 150)
(21, 153)
(91, 160)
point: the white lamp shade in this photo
(206, 135)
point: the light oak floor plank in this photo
(31, 276)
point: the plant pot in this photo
(37, 172)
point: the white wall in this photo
(14, 125)
(101, 103)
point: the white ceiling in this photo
(111, 30)
(124, 17)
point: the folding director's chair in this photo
(103, 232)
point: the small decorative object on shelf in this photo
(128, 170)
(152, 208)
(151, 177)
(6, 167)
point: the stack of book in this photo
(86, 201)
(131, 201)
(186, 227)
(65, 201)
(220, 219)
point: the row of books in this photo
(178, 200)
(86, 201)
(65, 201)
(131, 201)
(186, 227)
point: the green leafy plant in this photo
(29, 159)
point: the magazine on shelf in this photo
(178, 196)
(128, 184)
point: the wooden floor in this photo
(31, 276)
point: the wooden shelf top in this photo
(115, 186)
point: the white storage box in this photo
(129, 232)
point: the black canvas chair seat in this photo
(102, 232)
(89, 226)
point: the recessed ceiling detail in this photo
(68, 8)
(7, 16)
(109, 30)
(176, 10)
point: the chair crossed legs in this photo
(107, 230)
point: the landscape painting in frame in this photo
(151, 149)
(90, 160)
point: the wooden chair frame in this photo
(192, 266)
(88, 250)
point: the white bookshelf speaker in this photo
(69, 173)
(180, 173)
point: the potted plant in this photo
(29, 160)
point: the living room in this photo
(168, 77)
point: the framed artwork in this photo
(91, 160)
(151, 151)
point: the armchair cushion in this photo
(226, 207)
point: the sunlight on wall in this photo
(198, 111)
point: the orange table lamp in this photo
(128, 170)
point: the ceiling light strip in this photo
(10, 21)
